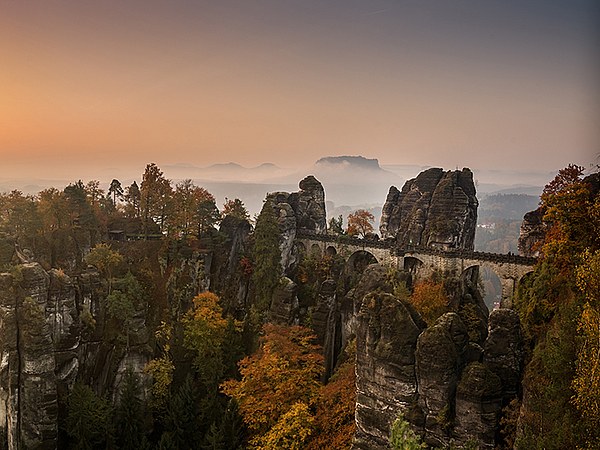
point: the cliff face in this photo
(446, 385)
(46, 343)
(436, 209)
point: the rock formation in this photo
(444, 383)
(303, 210)
(533, 232)
(386, 338)
(436, 209)
(45, 343)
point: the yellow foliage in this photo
(430, 300)
(290, 432)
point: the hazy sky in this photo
(89, 84)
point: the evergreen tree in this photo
(182, 429)
(130, 415)
(267, 256)
(116, 190)
(89, 420)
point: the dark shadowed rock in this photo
(436, 209)
(533, 233)
(303, 210)
(478, 406)
(386, 384)
(284, 307)
(327, 326)
(503, 350)
(237, 230)
(438, 361)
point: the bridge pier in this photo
(508, 290)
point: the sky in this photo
(98, 86)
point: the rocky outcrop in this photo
(386, 383)
(303, 210)
(504, 350)
(439, 359)
(327, 326)
(446, 386)
(284, 306)
(478, 406)
(52, 332)
(533, 233)
(436, 209)
(237, 231)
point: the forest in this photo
(222, 375)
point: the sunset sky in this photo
(88, 85)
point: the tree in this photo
(187, 199)
(336, 226)
(122, 301)
(130, 414)
(132, 199)
(105, 260)
(403, 438)
(116, 190)
(430, 300)
(360, 223)
(334, 424)
(207, 216)
(182, 418)
(161, 369)
(89, 420)
(80, 210)
(235, 208)
(155, 194)
(290, 432)
(53, 208)
(283, 372)
(204, 333)
(266, 255)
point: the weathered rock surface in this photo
(533, 233)
(438, 359)
(284, 306)
(237, 230)
(478, 406)
(436, 209)
(303, 210)
(386, 383)
(327, 326)
(503, 351)
(45, 344)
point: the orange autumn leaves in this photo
(281, 399)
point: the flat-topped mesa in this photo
(435, 209)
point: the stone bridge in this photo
(422, 261)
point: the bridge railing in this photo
(401, 251)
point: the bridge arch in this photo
(360, 259)
(413, 265)
(330, 251)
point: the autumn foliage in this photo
(360, 223)
(430, 299)
(284, 371)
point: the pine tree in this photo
(130, 418)
(267, 256)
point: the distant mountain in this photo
(359, 162)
